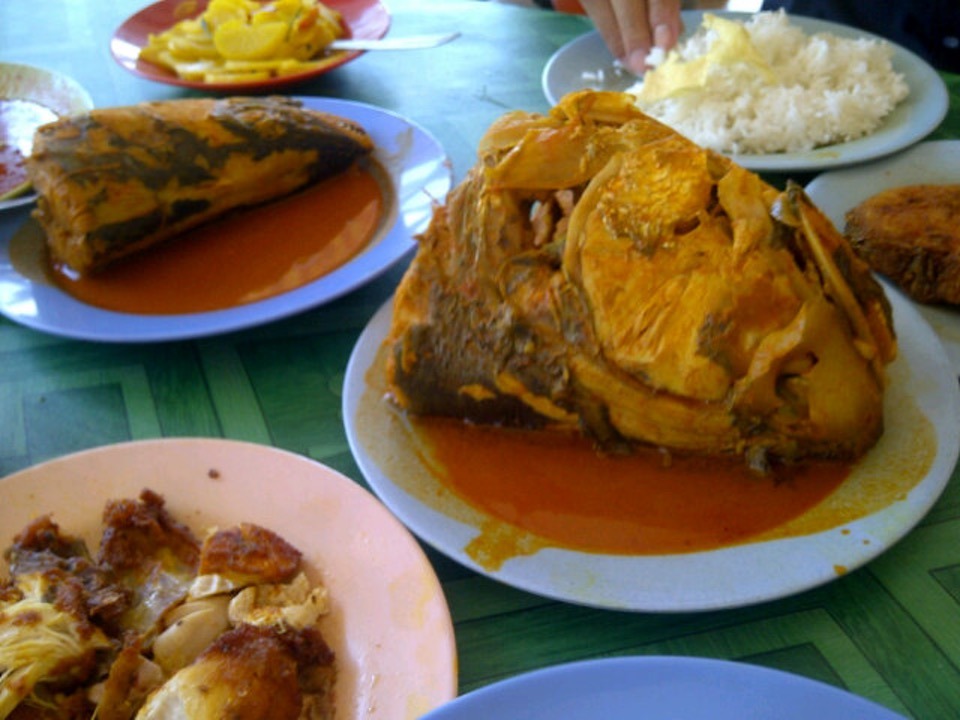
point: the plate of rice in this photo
(774, 92)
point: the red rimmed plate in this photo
(367, 19)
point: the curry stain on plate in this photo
(526, 491)
(246, 256)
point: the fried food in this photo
(247, 673)
(596, 271)
(246, 40)
(118, 180)
(137, 633)
(911, 234)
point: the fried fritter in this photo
(911, 234)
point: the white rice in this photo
(828, 89)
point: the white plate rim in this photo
(421, 173)
(397, 660)
(694, 688)
(915, 118)
(741, 575)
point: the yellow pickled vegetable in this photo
(732, 45)
(244, 40)
(236, 40)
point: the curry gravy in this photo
(528, 490)
(250, 255)
(559, 487)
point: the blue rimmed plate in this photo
(420, 173)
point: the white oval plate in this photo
(419, 170)
(389, 624)
(684, 688)
(915, 118)
(934, 162)
(921, 386)
(60, 93)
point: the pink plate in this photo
(389, 624)
(368, 19)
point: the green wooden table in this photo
(889, 631)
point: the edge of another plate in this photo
(59, 92)
(420, 171)
(389, 623)
(911, 121)
(367, 19)
(665, 686)
(921, 384)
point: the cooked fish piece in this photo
(598, 271)
(911, 234)
(117, 180)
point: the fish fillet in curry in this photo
(597, 272)
(117, 180)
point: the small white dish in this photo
(934, 162)
(59, 93)
(660, 687)
(921, 393)
(418, 169)
(389, 623)
(915, 118)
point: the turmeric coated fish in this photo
(117, 180)
(597, 271)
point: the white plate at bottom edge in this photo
(664, 687)
(389, 624)
(922, 393)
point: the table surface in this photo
(889, 631)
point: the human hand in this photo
(631, 28)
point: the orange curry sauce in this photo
(557, 487)
(526, 491)
(247, 256)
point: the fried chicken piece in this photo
(151, 554)
(249, 553)
(249, 673)
(911, 234)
